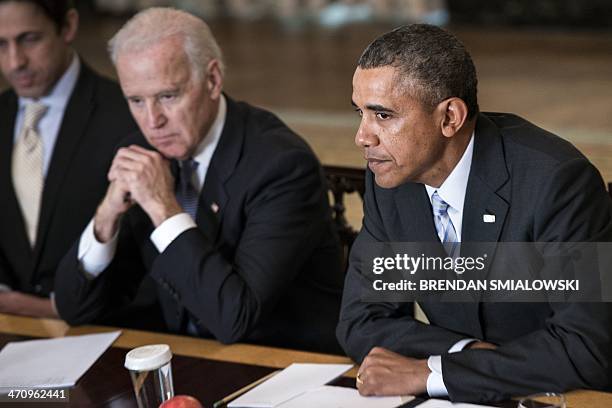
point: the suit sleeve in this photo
(574, 349)
(364, 325)
(5, 277)
(230, 296)
(83, 299)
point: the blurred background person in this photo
(59, 124)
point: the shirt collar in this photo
(207, 146)
(453, 189)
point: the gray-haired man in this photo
(224, 206)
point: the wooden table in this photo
(203, 368)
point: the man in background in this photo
(218, 201)
(59, 125)
(440, 171)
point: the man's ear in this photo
(454, 114)
(214, 79)
(71, 26)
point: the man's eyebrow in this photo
(24, 34)
(379, 108)
(376, 108)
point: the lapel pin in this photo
(488, 218)
(214, 207)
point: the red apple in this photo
(181, 401)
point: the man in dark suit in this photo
(440, 171)
(59, 125)
(224, 206)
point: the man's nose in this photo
(17, 58)
(155, 116)
(365, 136)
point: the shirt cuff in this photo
(460, 345)
(94, 255)
(5, 288)
(435, 382)
(168, 230)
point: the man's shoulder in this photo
(107, 90)
(523, 140)
(265, 132)
(110, 113)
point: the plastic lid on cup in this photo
(148, 358)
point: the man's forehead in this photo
(19, 17)
(166, 47)
(143, 76)
(380, 82)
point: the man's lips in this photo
(376, 160)
(375, 163)
(163, 138)
(22, 79)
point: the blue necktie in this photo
(186, 194)
(444, 226)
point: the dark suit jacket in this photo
(541, 189)
(265, 268)
(95, 120)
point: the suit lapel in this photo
(74, 123)
(214, 197)
(488, 193)
(8, 108)
(415, 214)
(487, 189)
(11, 216)
(484, 196)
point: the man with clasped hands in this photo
(218, 201)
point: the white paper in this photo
(51, 363)
(342, 397)
(438, 403)
(289, 383)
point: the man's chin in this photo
(386, 181)
(33, 92)
(172, 153)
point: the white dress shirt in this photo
(95, 256)
(49, 125)
(452, 191)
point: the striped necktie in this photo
(444, 226)
(187, 195)
(27, 168)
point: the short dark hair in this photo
(432, 60)
(55, 10)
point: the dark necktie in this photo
(186, 194)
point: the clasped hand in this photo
(137, 176)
